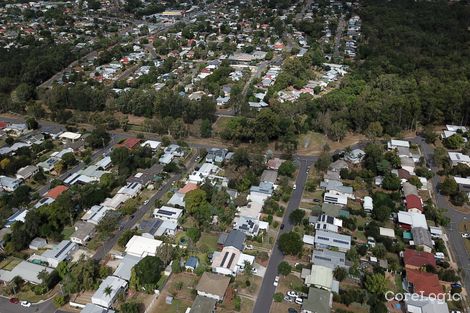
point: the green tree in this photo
(98, 138)
(206, 128)
(297, 216)
(449, 186)
(290, 243)
(376, 283)
(130, 307)
(284, 268)
(146, 274)
(391, 182)
(287, 168)
(340, 273)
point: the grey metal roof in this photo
(329, 258)
(318, 301)
(203, 305)
(125, 267)
(421, 237)
(235, 239)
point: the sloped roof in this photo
(424, 282)
(418, 258)
(213, 284)
(55, 192)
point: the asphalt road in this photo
(139, 214)
(456, 241)
(267, 290)
(44, 307)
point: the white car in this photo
(465, 235)
(145, 202)
(299, 300)
(26, 304)
(276, 281)
(254, 270)
(292, 294)
(294, 187)
(249, 247)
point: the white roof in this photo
(245, 258)
(168, 212)
(387, 232)
(459, 157)
(142, 246)
(70, 135)
(462, 181)
(412, 218)
(399, 143)
(152, 144)
(100, 297)
(454, 128)
(307, 239)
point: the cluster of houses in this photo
(353, 32)
(330, 242)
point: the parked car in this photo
(294, 187)
(291, 310)
(292, 294)
(254, 270)
(14, 300)
(299, 301)
(282, 226)
(288, 299)
(249, 247)
(276, 281)
(371, 242)
(26, 304)
(465, 235)
(456, 285)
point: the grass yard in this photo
(210, 240)
(10, 263)
(180, 286)
(67, 232)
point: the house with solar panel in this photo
(61, 252)
(168, 213)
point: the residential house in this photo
(152, 144)
(59, 253)
(338, 199)
(328, 223)
(410, 220)
(203, 305)
(422, 282)
(67, 137)
(83, 232)
(325, 239)
(157, 227)
(9, 184)
(250, 226)
(414, 203)
(422, 238)
(387, 232)
(425, 305)
(27, 172)
(408, 164)
(108, 291)
(18, 216)
(55, 192)
(93, 308)
(409, 189)
(168, 213)
(464, 184)
(318, 301)
(234, 238)
(37, 243)
(213, 286)
(394, 144)
(26, 270)
(206, 170)
(320, 277)
(225, 262)
(459, 158)
(95, 214)
(269, 176)
(368, 204)
(334, 210)
(124, 269)
(140, 246)
(329, 258)
(129, 143)
(355, 156)
(416, 260)
(216, 155)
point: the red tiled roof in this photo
(189, 187)
(414, 202)
(55, 192)
(418, 258)
(129, 143)
(426, 283)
